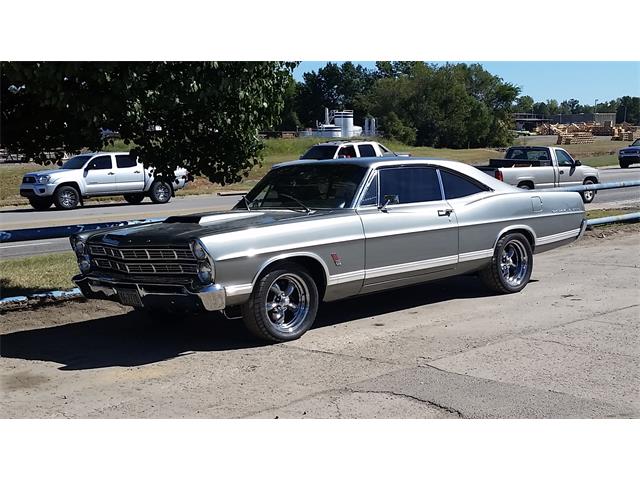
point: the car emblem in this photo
(336, 259)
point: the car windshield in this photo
(76, 162)
(295, 187)
(636, 143)
(320, 152)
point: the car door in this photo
(99, 175)
(129, 174)
(567, 172)
(411, 232)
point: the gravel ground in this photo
(565, 347)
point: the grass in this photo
(25, 276)
(597, 154)
(608, 212)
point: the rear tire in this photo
(283, 304)
(589, 195)
(511, 265)
(66, 197)
(525, 186)
(41, 203)
(160, 192)
(134, 198)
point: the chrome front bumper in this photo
(209, 298)
(34, 190)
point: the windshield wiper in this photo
(306, 209)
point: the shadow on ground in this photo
(135, 339)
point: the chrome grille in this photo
(141, 260)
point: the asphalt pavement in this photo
(25, 217)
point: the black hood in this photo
(178, 230)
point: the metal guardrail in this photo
(29, 234)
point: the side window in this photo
(383, 149)
(370, 197)
(456, 186)
(410, 184)
(347, 152)
(100, 163)
(367, 150)
(564, 160)
(125, 161)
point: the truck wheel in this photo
(588, 195)
(66, 197)
(283, 304)
(511, 265)
(134, 198)
(160, 192)
(623, 164)
(41, 203)
(525, 186)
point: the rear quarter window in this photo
(456, 186)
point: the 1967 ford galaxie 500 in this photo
(312, 231)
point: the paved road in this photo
(567, 346)
(12, 218)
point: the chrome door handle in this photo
(110, 173)
(137, 171)
(445, 213)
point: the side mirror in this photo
(389, 200)
(577, 163)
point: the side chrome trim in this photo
(243, 289)
(478, 255)
(517, 227)
(290, 246)
(346, 277)
(559, 237)
(411, 266)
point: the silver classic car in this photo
(320, 231)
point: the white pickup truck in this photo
(99, 174)
(542, 167)
(348, 149)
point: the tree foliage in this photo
(204, 116)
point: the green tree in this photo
(524, 104)
(201, 115)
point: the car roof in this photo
(343, 142)
(377, 162)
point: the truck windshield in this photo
(320, 152)
(76, 162)
(636, 143)
(318, 186)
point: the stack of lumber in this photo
(575, 138)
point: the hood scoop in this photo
(208, 219)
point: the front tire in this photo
(66, 197)
(283, 304)
(134, 198)
(511, 265)
(588, 195)
(160, 192)
(624, 164)
(41, 203)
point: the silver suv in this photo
(99, 174)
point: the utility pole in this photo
(595, 109)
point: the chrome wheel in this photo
(69, 199)
(588, 195)
(514, 263)
(287, 302)
(163, 192)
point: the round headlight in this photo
(198, 250)
(205, 273)
(78, 245)
(84, 263)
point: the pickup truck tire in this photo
(66, 197)
(624, 164)
(589, 195)
(160, 192)
(41, 203)
(511, 264)
(283, 304)
(134, 198)
(525, 186)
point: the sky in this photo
(584, 81)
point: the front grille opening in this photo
(144, 260)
